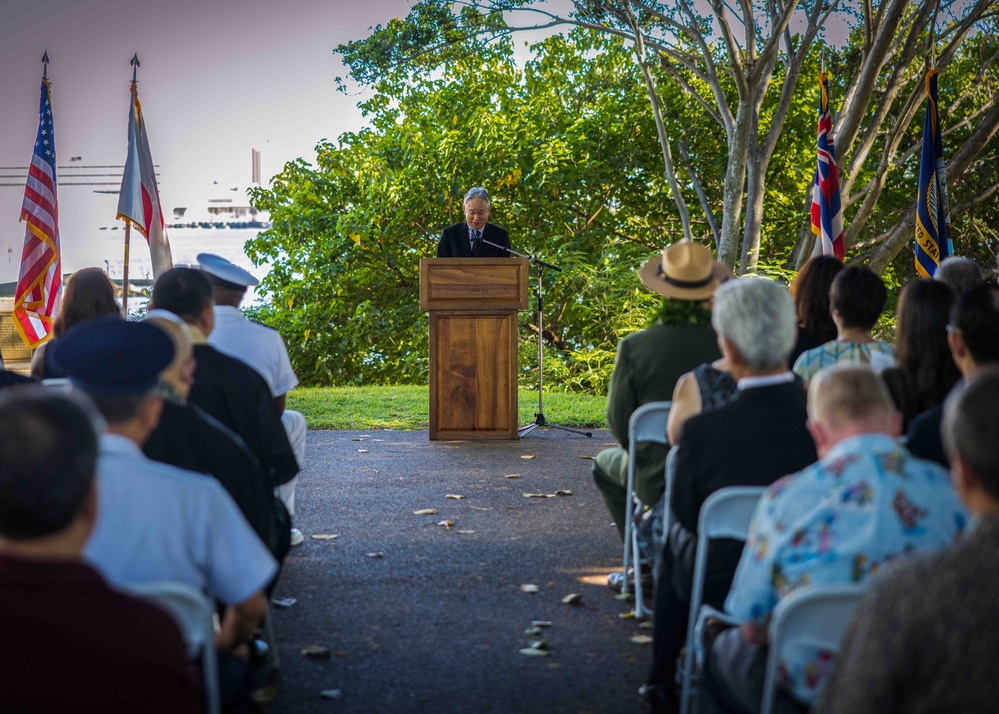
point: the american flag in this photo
(139, 200)
(933, 242)
(827, 210)
(39, 282)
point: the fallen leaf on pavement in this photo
(375, 555)
(529, 588)
(480, 508)
(284, 601)
(563, 492)
(363, 451)
(359, 438)
(455, 496)
(532, 631)
(646, 624)
(572, 599)
(331, 694)
(527, 456)
(642, 640)
(531, 652)
(587, 457)
(316, 652)
(627, 615)
(465, 531)
(534, 495)
(446, 524)
(425, 512)
(324, 536)
(264, 695)
(539, 645)
(541, 623)
(512, 476)
(624, 597)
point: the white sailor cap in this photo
(224, 273)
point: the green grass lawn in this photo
(408, 407)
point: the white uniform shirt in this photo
(156, 522)
(260, 347)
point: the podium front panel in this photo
(473, 393)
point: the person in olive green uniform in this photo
(648, 364)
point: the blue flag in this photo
(933, 242)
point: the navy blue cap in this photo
(112, 357)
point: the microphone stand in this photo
(539, 417)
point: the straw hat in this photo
(685, 271)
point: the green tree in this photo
(567, 149)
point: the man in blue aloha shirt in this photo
(865, 502)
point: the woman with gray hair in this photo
(472, 238)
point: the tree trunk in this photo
(734, 187)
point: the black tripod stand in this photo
(539, 417)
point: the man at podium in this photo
(467, 240)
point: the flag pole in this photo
(128, 224)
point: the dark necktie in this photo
(475, 240)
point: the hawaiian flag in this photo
(827, 210)
(39, 281)
(139, 199)
(933, 242)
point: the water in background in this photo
(185, 244)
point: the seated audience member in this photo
(190, 439)
(925, 637)
(973, 337)
(856, 300)
(866, 502)
(260, 347)
(13, 379)
(959, 274)
(810, 291)
(158, 522)
(707, 386)
(752, 441)
(226, 388)
(70, 643)
(925, 371)
(648, 364)
(89, 294)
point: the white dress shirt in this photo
(259, 346)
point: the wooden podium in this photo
(473, 305)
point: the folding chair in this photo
(725, 514)
(815, 615)
(194, 613)
(647, 424)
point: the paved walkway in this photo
(436, 623)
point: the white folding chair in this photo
(647, 424)
(816, 615)
(194, 613)
(726, 513)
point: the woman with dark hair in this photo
(926, 371)
(810, 290)
(89, 294)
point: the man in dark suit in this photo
(755, 439)
(466, 240)
(973, 336)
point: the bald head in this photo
(849, 399)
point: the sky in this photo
(217, 79)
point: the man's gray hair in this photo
(757, 316)
(478, 192)
(959, 274)
(970, 428)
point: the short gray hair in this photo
(757, 316)
(478, 192)
(847, 392)
(959, 274)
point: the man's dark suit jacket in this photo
(923, 439)
(754, 440)
(454, 242)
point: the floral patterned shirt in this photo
(879, 355)
(837, 521)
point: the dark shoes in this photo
(657, 699)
